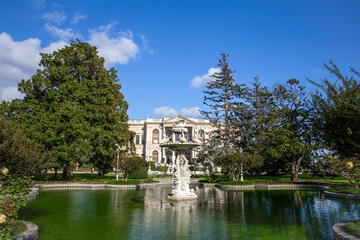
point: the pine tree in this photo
(219, 98)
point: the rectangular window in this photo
(137, 141)
(143, 139)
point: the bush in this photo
(139, 174)
(13, 195)
(152, 166)
(129, 165)
(163, 168)
(18, 153)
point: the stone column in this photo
(173, 159)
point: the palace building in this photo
(150, 131)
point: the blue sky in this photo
(164, 50)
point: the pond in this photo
(146, 214)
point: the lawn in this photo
(79, 177)
(353, 227)
(339, 181)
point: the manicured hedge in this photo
(142, 173)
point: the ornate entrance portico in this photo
(151, 131)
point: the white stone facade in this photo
(150, 131)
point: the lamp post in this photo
(118, 150)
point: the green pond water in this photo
(146, 214)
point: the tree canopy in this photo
(337, 105)
(73, 106)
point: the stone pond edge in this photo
(340, 233)
(31, 232)
(290, 186)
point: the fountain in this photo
(181, 189)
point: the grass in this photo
(245, 182)
(353, 228)
(130, 181)
(122, 182)
(79, 177)
(346, 190)
(303, 178)
(17, 228)
(89, 178)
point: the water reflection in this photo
(218, 214)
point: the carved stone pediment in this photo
(179, 117)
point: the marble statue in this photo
(181, 189)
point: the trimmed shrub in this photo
(152, 166)
(163, 168)
(139, 174)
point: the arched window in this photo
(155, 156)
(155, 136)
(201, 135)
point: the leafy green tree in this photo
(18, 153)
(337, 123)
(292, 132)
(131, 164)
(73, 107)
(337, 106)
(253, 117)
(237, 163)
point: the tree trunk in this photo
(295, 166)
(294, 172)
(56, 172)
(67, 174)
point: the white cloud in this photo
(119, 49)
(194, 111)
(77, 17)
(64, 34)
(19, 60)
(165, 111)
(170, 112)
(38, 3)
(9, 93)
(56, 16)
(54, 46)
(200, 81)
(145, 47)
